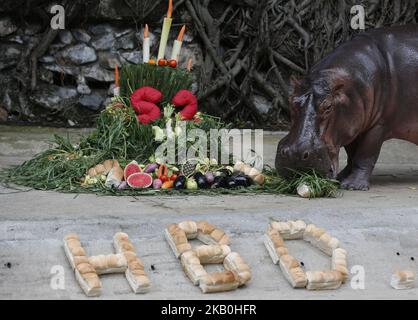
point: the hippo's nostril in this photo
(305, 155)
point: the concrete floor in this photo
(373, 226)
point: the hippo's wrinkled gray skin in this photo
(358, 96)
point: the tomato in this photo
(173, 177)
(164, 178)
(172, 63)
(151, 61)
(162, 62)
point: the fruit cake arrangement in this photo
(191, 175)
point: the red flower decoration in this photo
(186, 99)
(144, 101)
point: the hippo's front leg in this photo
(363, 159)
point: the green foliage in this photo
(168, 80)
(319, 186)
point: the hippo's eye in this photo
(325, 110)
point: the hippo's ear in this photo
(294, 84)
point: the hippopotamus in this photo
(358, 96)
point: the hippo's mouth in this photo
(326, 167)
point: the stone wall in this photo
(76, 74)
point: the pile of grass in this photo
(118, 135)
(318, 185)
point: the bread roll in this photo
(324, 280)
(234, 262)
(192, 266)
(339, 262)
(274, 244)
(135, 274)
(290, 230)
(112, 263)
(209, 234)
(208, 254)
(403, 279)
(190, 228)
(320, 239)
(177, 239)
(219, 281)
(292, 271)
(85, 273)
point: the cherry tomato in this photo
(173, 177)
(162, 62)
(172, 63)
(164, 178)
(151, 61)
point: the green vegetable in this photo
(191, 184)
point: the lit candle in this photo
(175, 54)
(116, 89)
(165, 32)
(189, 64)
(146, 45)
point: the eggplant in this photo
(202, 183)
(180, 182)
(241, 180)
(231, 182)
(209, 177)
(223, 172)
(151, 167)
(220, 182)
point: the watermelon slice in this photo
(132, 167)
(139, 180)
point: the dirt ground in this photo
(372, 226)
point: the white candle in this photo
(146, 46)
(165, 32)
(175, 53)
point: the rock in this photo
(78, 54)
(3, 114)
(95, 72)
(32, 29)
(108, 60)
(16, 39)
(81, 35)
(262, 104)
(47, 59)
(103, 42)
(99, 29)
(121, 32)
(9, 55)
(134, 57)
(46, 75)
(65, 36)
(7, 26)
(54, 97)
(83, 89)
(125, 42)
(93, 101)
(70, 70)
